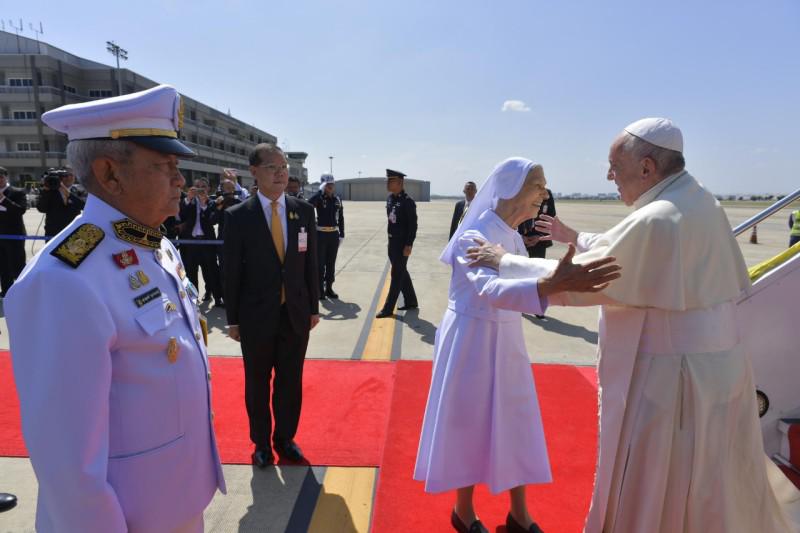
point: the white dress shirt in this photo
(266, 205)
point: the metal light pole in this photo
(38, 33)
(331, 158)
(17, 30)
(119, 53)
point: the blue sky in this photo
(419, 86)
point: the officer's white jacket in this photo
(119, 436)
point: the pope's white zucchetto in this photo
(658, 131)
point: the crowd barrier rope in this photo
(174, 241)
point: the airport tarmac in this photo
(348, 330)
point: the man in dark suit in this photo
(470, 190)
(533, 239)
(59, 201)
(272, 293)
(12, 252)
(197, 216)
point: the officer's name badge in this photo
(78, 245)
(126, 258)
(148, 296)
(138, 280)
(172, 350)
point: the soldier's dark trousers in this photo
(401, 280)
(12, 261)
(327, 248)
(201, 256)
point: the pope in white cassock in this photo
(680, 443)
(482, 421)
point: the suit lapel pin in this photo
(158, 255)
(169, 254)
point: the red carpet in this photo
(370, 414)
(345, 411)
(569, 412)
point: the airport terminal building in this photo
(36, 77)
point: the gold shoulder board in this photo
(78, 244)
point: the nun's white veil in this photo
(504, 182)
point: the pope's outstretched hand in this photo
(555, 230)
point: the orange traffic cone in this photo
(754, 235)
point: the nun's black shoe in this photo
(513, 527)
(458, 525)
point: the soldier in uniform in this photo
(330, 233)
(114, 382)
(402, 229)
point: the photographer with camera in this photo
(197, 216)
(58, 200)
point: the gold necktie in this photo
(277, 240)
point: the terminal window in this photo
(99, 93)
(20, 82)
(24, 115)
(27, 147)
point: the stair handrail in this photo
(766, 213)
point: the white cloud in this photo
(515, 105)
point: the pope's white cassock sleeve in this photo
(67, 405)
(680, 445)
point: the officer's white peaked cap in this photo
(150, 118)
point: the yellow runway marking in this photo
(345, 501)
(379, 343)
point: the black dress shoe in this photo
(330, 294)
(7, 501)
(384, 314)
(262, 458)
(289, 450)
(407, 307)
(475, 527)
(512, 526)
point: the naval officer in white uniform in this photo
(106, 340)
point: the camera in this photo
(52, 178)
